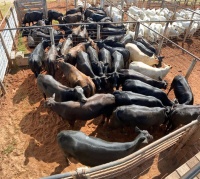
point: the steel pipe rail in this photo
(127, 162)
(192, 172)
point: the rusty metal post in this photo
(194, 61)
(110, 9)
(5, 48)
(52, 36)
(44, 4)
(8, 24)
(98, 32)
(19, 15)
(102, 4)
(2, 88)
(162, 4)
(137, 30)
(162, 39)
(188, 29)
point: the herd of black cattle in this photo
(95, 67)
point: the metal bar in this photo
(52, 36)
(75, 3)
(188, 29)
(66, 4)
(2, 88)
(6, 51)
(98, 32)
(110, 10)
(85, 3)
(8, 24)
(194, 61)
(15, 20)
(162, 39)
(18, 12)
(102, 4)
(45, 8)
(137, 30)
(1, 15)
(162, 4)
(194, 171)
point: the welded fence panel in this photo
(7, 41)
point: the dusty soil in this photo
(28, 132)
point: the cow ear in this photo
(137, 130)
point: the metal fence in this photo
(7, 40)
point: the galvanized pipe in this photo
(162, 39)
(194, 61)
(110, 9)
(52, 36)
(137, 30)
(102, 4)
(98, 32)
(75, 3)
(188, 29)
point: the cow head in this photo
(97, 82)
(79, 93)
(143, 136)
(49, 102)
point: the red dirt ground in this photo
(28, 130)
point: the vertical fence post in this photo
(110, 9)
(194, 61)
(102, 4)
(45, 8)
(6, 51)
(66, 4)
(19, 15)
(137, 30)
(122, 9)
(75, 3)
(188, 29)
(175, 8)
(98, 32)
(15, 20)
(1, 15)
(8, 24)
(52, 36)
(85, 3)
(162, 39)
(2, 88)
(162, 4)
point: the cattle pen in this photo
(36, 144)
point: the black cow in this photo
(128, 98)
(37, 56)
(83, 64)
(183, 114)
(182, 90)
(75, 10)
(52, 14)
(107, 31)
(128, 38)
(49, 87)
(105, 57)
(96, 105)
(97, 66)
(90, 12)
(147, 45)
(137, 86)
(123, 51)
(32, 16)
(50, 59)
(117, 64)
(132, 74)
(70, 18)
(134, 115)
(92, 151)
(113, 43)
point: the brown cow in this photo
(76, 78)
(71, 56)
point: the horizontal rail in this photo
(194, 171)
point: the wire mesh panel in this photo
(3, 62)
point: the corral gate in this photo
(23, 6)
(7, 41)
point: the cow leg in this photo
(103, 120)
(67, 158)
(44, 95)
